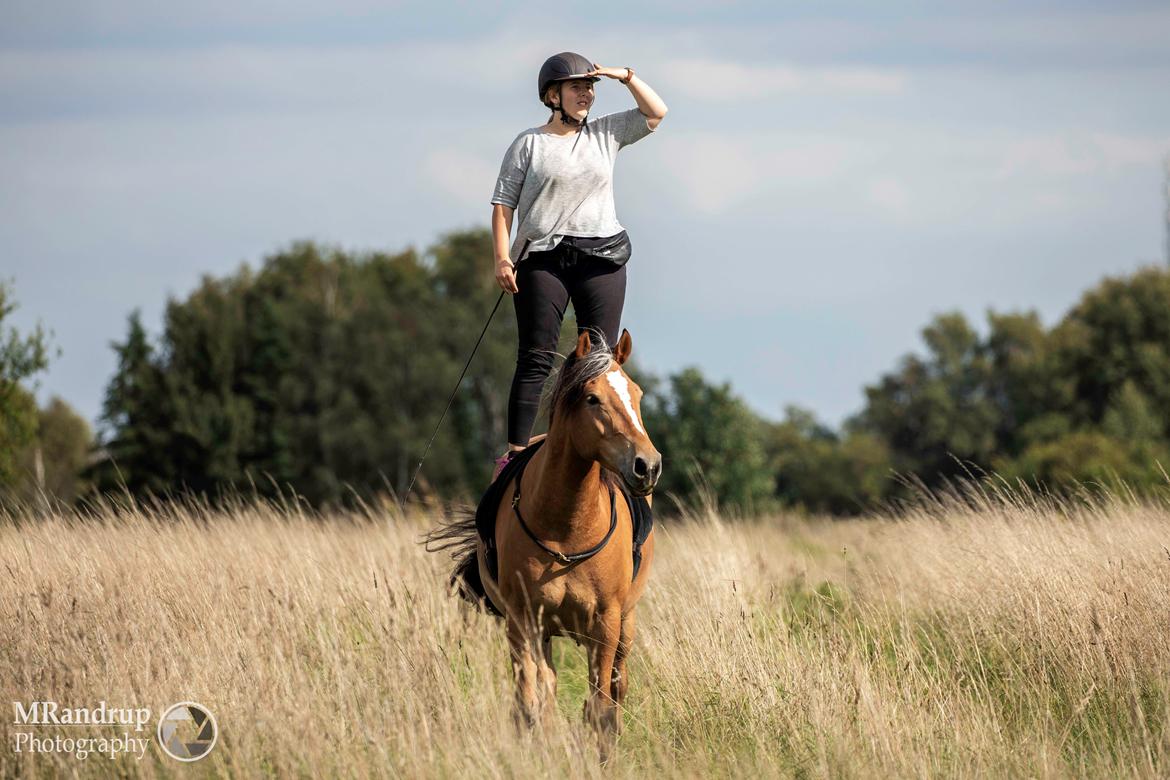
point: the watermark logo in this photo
(31, 719)
(187, 731)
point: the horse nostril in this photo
(641, 467)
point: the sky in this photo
(830, 176)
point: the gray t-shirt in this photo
(563, 185)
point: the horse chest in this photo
(571, 595)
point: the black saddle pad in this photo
(485, 513)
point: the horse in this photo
(564, 545)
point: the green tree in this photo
(1088, 456)
(938, 412)
(137, 437)
(1076, 403)
(706, 431)
(21, 357)
(1118, 334)
(51, 464)
(1023, 382)
(322, 371)
(819, 471)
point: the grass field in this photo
(990, 638)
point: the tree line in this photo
(323, 373)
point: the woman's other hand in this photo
(506, 275)
(501, 238)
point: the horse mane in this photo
(576, 372)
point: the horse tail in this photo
(460, 535)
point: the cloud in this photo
(144, 14)
(460, 175)
(715, 173)
(239, 78)
(1119, 151)
(1061, 155)
(891, 195)
(719, 172)
(1001, 37)
(729, 81)
(900, 172)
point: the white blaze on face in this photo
(621, 386)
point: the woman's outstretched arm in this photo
(647, 99)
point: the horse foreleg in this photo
(601, 710)
(619, 682)
(548, 683)
(526, 672)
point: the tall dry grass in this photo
(993, 637)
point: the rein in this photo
(557, 554)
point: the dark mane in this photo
(576, 372)
(571, 379)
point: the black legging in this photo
(547, 281)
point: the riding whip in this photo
(431, 441)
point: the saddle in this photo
(485, 513)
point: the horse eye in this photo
(592, 400)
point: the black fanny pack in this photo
(614, 249)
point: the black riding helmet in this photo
(563, 67)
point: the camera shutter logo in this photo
(187, 731)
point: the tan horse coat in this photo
(565, 502)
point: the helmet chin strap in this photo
(565, 117)
(569, 120)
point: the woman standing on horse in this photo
(568, 243)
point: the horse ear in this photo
(625, 345)
(583, 344)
